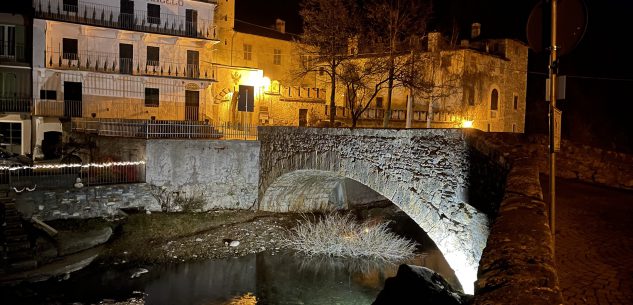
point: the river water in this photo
(270, 278)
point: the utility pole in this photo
(553, 71)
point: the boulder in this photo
(419, 285)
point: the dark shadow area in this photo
(487, 183)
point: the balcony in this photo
(123, 109)
(15, 104)
(136, 20)
(112, 63)
(11, 52)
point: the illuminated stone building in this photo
(479, 84)
(122, 59)
(265, 61)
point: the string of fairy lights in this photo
(72, 166)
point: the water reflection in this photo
(264, 278)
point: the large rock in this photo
(419, 285)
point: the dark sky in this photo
(598, 109)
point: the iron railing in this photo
(112, 17)
(159, 129)
(117, 109)
(11, 52)
(54, 176)
(112, 63)
(15, 104)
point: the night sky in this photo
(598, 109)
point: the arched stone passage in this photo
(423, 172)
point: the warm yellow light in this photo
(264, 83)
(467, 124)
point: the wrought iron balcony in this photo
(11, 52)
(15, 104)
(122, 109)
(112, 63)
(136, 20)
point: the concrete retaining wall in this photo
(224, 174)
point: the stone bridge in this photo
(425, 172)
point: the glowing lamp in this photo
(467, 124)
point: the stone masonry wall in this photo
(517, 265)
(222, 173)
(424, 172)
(86, 202)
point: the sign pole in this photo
(553, 67)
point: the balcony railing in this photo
(55, 176)
(155, 129)
(11, 52)
(137, 20)
(15, 104)
(117, 109)
(112, 63)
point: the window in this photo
(248, 52)
(151, 97)
(306, 62)
(514, 127)
(379, 102)
(69, 48)
(7, 39)
(153, 53)
(48, 95)
(8, 84)
(494, 100)
(70, 6)
(277, 57)
(321, 71)
(153, 13)
(494, 103)
(516, 102)
(11, 136)
(471, 96)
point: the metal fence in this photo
(130, 19)
(55, 176)
(157, 129)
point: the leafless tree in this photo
(428, 80)
(393, 23)
(328, 26)
(362, 79)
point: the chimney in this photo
(475, 30)
(434, 41)
(280, 25)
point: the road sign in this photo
(561, 85)
(571, 25)
(557, 130)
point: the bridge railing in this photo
(55, 176)
(166, 129)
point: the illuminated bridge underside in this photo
(424, 172)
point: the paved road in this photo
(594, 242)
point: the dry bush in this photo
(340, 235)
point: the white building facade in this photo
(123, 59)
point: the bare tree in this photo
(362, 81)
(427, 78)
(393, 23)
(328, 26)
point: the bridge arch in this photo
(423, 172)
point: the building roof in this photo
(250, 28)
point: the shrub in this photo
(340, 235)
(193, 203)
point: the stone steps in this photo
(17, 251)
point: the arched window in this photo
(494, 100)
